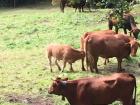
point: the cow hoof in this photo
(83, 69)
(122, 70)
(71, 70)
(61, 71)
(97, 72)
(92, 71)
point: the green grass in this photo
(24, 32)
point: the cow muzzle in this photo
(133, 55)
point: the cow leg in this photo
(64, 65)
(83, 68)
(76, 6)
(62, 5)
(88, 63)
(91, 67)
(106, 61)
(75, 9)
(57, 65)
(82, 7)
(116, 29)
(110, 24)
(88, 6)
(119, 64)
(130, 34)
(125, 31)
(95, 64)
(71, 68)
(79, 9)
(50, 63)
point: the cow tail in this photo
(88, 54)
(135, 89)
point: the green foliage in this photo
(120, 7)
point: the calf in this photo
(128, 23)
(105, 46)
(65, 53)
(97, 90)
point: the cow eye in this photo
(54, 85)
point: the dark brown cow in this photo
(97, 90)
(77, 4)
(105, 46)
(65, 53)
(129, 23)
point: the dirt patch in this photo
(29, 100)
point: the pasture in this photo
(25, 31)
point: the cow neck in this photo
(70, 91)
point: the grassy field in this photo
(25, 31)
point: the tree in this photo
(120, 7)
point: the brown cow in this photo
(105, 46)
(65, 53)
(133, 42)
(101, 32)
(128, 23)
(97, 90)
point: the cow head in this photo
(134, 47)
(58, 86)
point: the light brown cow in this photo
(65, 53)
(97, 90)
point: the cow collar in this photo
(63, 86)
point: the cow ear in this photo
(65, 79)
(58, 78)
